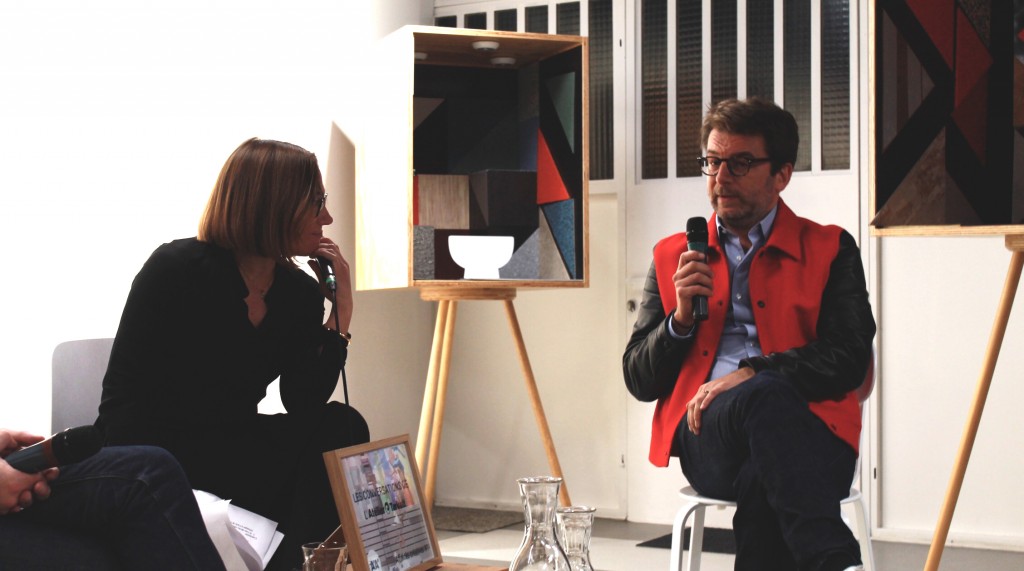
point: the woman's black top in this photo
(187, 361)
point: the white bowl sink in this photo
(481, 256)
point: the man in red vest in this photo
(756, 397)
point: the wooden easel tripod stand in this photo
(428, 440)
(1014, 243)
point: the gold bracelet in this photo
(346, 335)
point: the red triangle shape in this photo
(550, 187)
(936, 17)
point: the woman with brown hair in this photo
(211, 321)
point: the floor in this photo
(613, 548)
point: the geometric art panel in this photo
(524, 262)
(537, 258)
(550, 186)
(504, 198)
(560, 219)
(542, 252)
(493, 203)
(441, 200)
(560, 152)
(562, 92)
(948, 89)
(549, 257)
(451, 147)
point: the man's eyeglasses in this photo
(738, 166)
(320, 202)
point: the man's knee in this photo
(772, 387)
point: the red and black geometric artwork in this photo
(949, 112)
(499, 152)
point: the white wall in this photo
(938, 301)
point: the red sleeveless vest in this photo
(786, 284)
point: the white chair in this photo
(78, 370)
(696, 505)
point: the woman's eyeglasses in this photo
(320, 202)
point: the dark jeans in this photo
(761, 446)
(127, 507)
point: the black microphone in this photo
(697, 240)
(67, 447)
(328, 270)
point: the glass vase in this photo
(574, 526)
(540, 550)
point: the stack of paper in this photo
(245, 540)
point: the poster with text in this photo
(382, 501)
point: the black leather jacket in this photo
(827, 368)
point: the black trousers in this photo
(273, 465)
(762, 447)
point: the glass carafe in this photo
(574, 526)
(324, 556)
(540, 550)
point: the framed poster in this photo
(377, 491)
(947, 116)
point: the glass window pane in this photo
(761, 50)
(723, 50)
(476, 21)
(835, 84)
(567, 18)
(505, 20)
(446, 21)
(796, 55)
(602, 104)
(689, 87)
(654, 78)
(537, 19)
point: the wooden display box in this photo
(463, 138)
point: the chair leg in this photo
(678, 529)
(696, 539)
(678, 525)
(867, 554)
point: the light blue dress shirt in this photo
(739, 337)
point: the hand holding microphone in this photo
(697, 241)
(67, 447)
(327, 256)
(328, 273)
(26, 473)
(333, 270)
(693, 279)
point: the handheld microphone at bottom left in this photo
(66, 447)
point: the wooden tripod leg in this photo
(538, 408)
(981, 393)
(423, 437)
(442, 391)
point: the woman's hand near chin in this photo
(342, 295)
